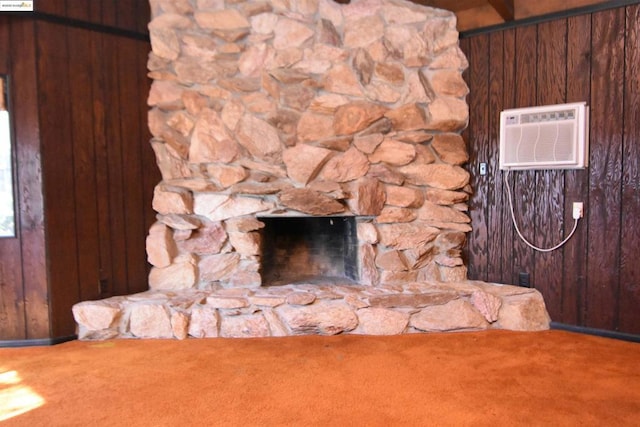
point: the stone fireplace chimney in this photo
(312, 178)
(306, 108)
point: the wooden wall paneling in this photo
(493, 181)
(12, 314)
(508, 97)
(576, 181)
(109, 12)
(79, 9)
(479, 86)
(131, 122)
(94, 8)
(12, 311)
(127, 14)
(593, 62)
(80, 71)
(116, 188)
(523, 183)
(605, 168)
(143, 17)
(99, 106)
(58, 171)
(629, 315)
(29, 180)
(549, 199)
(51, 7)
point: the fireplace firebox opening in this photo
(316, 250)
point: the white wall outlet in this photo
(578, 210)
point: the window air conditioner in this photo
(548, 137)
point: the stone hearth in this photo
(313, 309)
(308, 108)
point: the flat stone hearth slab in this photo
(303, 309)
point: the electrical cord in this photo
(513, 217)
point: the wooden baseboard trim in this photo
(36, 342)
(598, 332)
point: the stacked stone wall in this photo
(306, 107)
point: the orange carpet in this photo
(496, 378)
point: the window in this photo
(7, 211)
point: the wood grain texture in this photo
(115, 189)
(593, 280)
(127, 20)
(493, 179)
(577, 181)
(629, 315)
(130, 125)
(29, 179)
(84, 162)
(81, 136)
(58, 159)
(549, 202)
(129, 15)
(52, 7)
(507, 233)
(478, 127)
(99, 107)
(12, 315)
(607, 76)
(524, 182)
(78, 9)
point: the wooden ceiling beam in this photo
(504, 8)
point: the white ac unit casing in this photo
(547, 137)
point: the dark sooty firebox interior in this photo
(317, 250)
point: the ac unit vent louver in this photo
(548, 137)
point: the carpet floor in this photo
(490, 378)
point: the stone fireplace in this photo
(312, 176)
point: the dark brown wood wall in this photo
(594, 280)
(129, 15)
(85, 169)
(24, 304)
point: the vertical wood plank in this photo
(576, 181)
(493, 181)
(143, 16)
(78, 9)
(12, 314)
(99, 90)
(605, 169)
(58, 163)
(84, 164)
(95, 11)
(509, 274)
(549, 201)
(629, 297)
(127, 14)
(52, 7)
(110, 13)
(115, 167)
(30, 179)
(523, 188)
(131, 122)
(478, 131)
